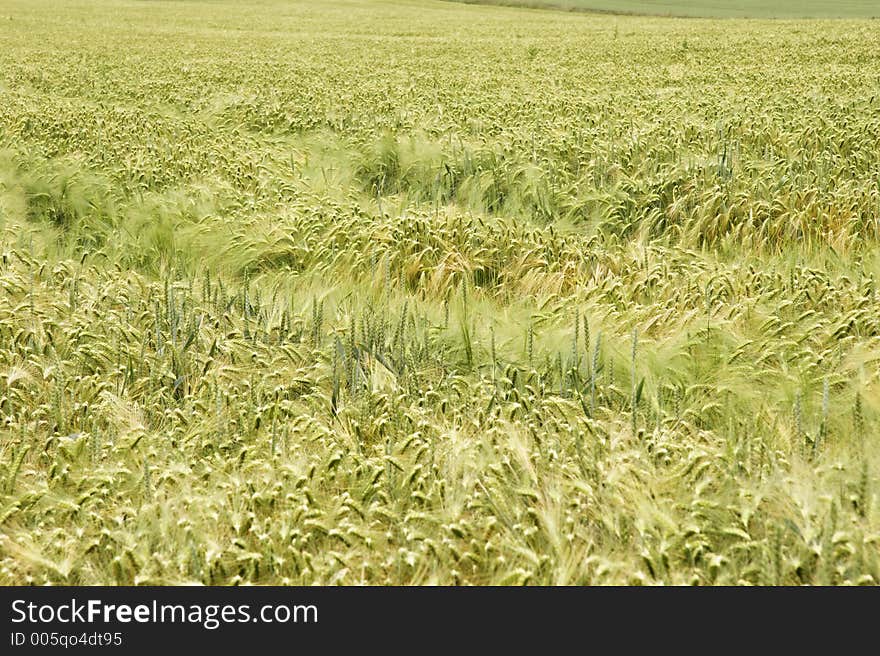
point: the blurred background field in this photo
(787, 9)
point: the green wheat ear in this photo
(530, 345)
(594, 372)
(636, 389)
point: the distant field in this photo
(711, 8)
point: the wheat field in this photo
(778, 9)
(368, 292)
